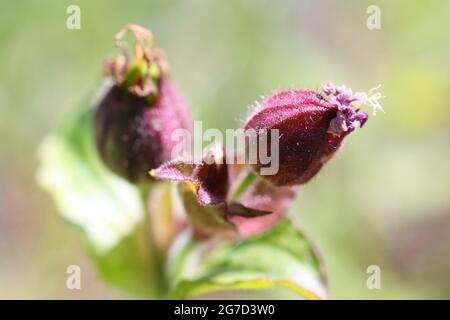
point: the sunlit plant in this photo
(161, 227)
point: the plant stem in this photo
(244, 185)
(157, 258)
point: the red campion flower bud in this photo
(311, 128)
(136, 117)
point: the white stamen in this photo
(371, 99)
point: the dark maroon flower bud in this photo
(137, 115)
(311, 128)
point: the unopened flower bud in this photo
(136, 117)
(311, 128)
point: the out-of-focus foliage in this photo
(373, 204)
(86, 192)
(105, 207)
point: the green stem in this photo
(157, 258)
(245, 184)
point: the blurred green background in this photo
(383, 200)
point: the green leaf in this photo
(129, 265)
(282, 257)
(104, 206)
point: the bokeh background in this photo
(383, 200)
